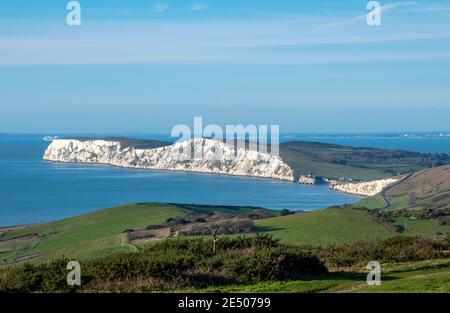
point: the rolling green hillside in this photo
(345, 225)
(88, 235)
(324, 227)
(93, 234)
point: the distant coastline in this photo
(132, 153)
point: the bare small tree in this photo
(214, 230)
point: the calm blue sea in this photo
(33, 190)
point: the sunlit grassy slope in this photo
(324, 227)
(88, 235)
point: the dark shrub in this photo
(399, 228)
(132, 265)
(443, 220)
(395, 249)
(285, 212)
(273, 264)
(264, 240)
(47, 277)
(21, 278)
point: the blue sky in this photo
(144, 66)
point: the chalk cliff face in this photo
(311, 180)
(196, 155)
(209, 156)
(307, 180)
(369, 188)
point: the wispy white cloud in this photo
(160, 7)
(383, 8)
(239, 41)
(432, 8)
(199, 7)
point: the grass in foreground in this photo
(243, 264)
(409, 277)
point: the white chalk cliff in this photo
(369, 188)
(211, 156)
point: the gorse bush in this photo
(23, 278)
(164, 264)
(177, 262)
(395, 249)
(48, 277)
(273, 264)
(191, 263)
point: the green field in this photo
(375, 202)
(324, 227)
(424, 228)
(84, 236)
(413, 224)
